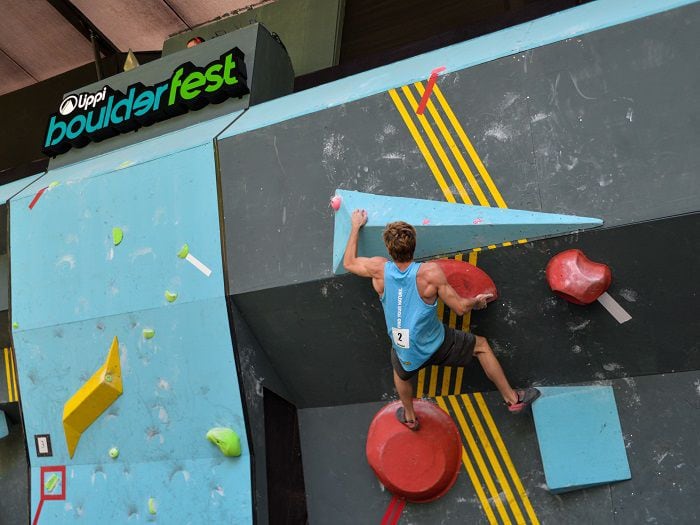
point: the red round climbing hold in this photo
(336, 201)
(419, 466)
(466, 279)
(574, 277)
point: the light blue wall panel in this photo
(177, 385)
(73, 290)
(148, 150)
(190, 492)
(65, 267)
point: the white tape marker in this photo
(198, 264)
(614, 308)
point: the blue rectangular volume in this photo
(578, 429)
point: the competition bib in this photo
(401, 337)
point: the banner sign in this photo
(92, 117)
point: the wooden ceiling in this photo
(43, 38)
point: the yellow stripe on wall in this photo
(497, 454)
(473, 476)
(452, 145)
(476, 453)
(13, 369)
(421, 383)
(438, 147)
(510, 467)
(495, 465)
(421, 146)
(8, 376)
(470, 148)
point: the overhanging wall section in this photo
(597, 124)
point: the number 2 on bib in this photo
(401, 337)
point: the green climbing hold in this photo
(184, 251)
(15, 325)
(53, 184)
(117, 235)
(114, 452)
(226, 439)
(148, 333)
(170, 296)
(51, 483)
(151, 506)
(108, 378)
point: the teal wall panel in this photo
(177, 385)
(190, 492)
(66, 267)
(73, 290)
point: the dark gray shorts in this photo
(456, 350)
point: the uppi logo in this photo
(68, 105)
(84, 101)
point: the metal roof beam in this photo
(84, 26)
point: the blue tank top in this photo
(413, 327)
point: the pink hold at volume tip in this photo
(336, 202)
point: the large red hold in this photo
(574, 277)
(466, 279)
(419, 466)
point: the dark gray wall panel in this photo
(659, 420)
(277, 183)
(491, 103)
(615, 120)
(328, 342)
(602, 125)
(256, 374)
(547, 340)
(14, 471)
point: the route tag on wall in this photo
(401, 337)
(43, 445)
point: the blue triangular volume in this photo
(443, 227)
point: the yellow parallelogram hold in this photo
(93, 398)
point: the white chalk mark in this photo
(660, 457)
(140, 253)
(573, 79)
(67, 259)
(537, 117)
(614, 308)
(198, 264)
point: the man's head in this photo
(400, 240)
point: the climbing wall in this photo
(97, 253)
(576, 121)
